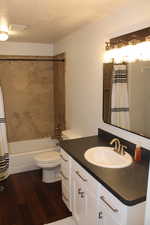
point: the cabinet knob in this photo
(81, 193)
(100, 215)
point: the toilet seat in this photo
(48, 157)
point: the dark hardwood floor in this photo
(26, 200)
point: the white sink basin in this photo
(107, 157)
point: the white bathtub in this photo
(22, 153)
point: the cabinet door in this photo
(105, 218)
(91, 212)
(78, 200)
(84, 208)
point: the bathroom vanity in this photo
(101, 196)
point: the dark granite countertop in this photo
(128, 184)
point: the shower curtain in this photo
(119, 97)
(4, 157)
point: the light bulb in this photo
(130, 53)
(3, 36)
(108, 56)
(144, 50)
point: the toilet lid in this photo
(48, 157)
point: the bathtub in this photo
(22, 153)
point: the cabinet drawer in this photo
(111, 204)
(65, 163)
(84, 176)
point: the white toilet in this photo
(50, 161)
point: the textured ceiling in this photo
(50, 20)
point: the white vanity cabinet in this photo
(65, 173)
(90, 202)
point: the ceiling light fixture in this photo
(3, 35)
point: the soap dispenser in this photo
(138, 153)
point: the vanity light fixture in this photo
(119, 55)
(128, 53)
(3, 35)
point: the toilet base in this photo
(51, 175)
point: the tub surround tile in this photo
(28, 99)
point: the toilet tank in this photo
(69, 134)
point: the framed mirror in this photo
(126, 95)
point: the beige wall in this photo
(84, 52)
(28, 98)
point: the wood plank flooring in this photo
(26, 200)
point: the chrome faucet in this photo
(118, 147)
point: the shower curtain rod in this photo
(25, 59)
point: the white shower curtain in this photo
(119, 97)
(4, 157)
